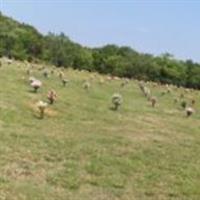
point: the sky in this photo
(149, 26)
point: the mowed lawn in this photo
(83, 150)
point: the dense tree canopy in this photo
(23, 42)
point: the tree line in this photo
(23, 42)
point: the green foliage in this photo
(23, 42)
(183, 104)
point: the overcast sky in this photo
(150, 26)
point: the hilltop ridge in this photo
(24, 42)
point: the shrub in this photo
(141, 86)
(45, 73)
(42, 107)
(183, 104)
(145, 90)
(51, 96)
(153, 101)
(176, 100)
(189, 111)
(193, 102)
(61, 74)
(65, 81)
(168, 89)
(86, 85)
(36, 84)
(116, 100)
(125, 82)
(28, 71)
(181, 95)
(147, 93)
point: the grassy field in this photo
(83, 150)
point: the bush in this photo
(42, 107)
(116, 100)
(36, 84)
(183, 104)
(52, 96)
(189, 111)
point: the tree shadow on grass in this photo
(37, 116)
(32, 91)
(113, 108)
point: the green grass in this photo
(83, 150)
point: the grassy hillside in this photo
(83, 150)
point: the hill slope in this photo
(83, 150)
